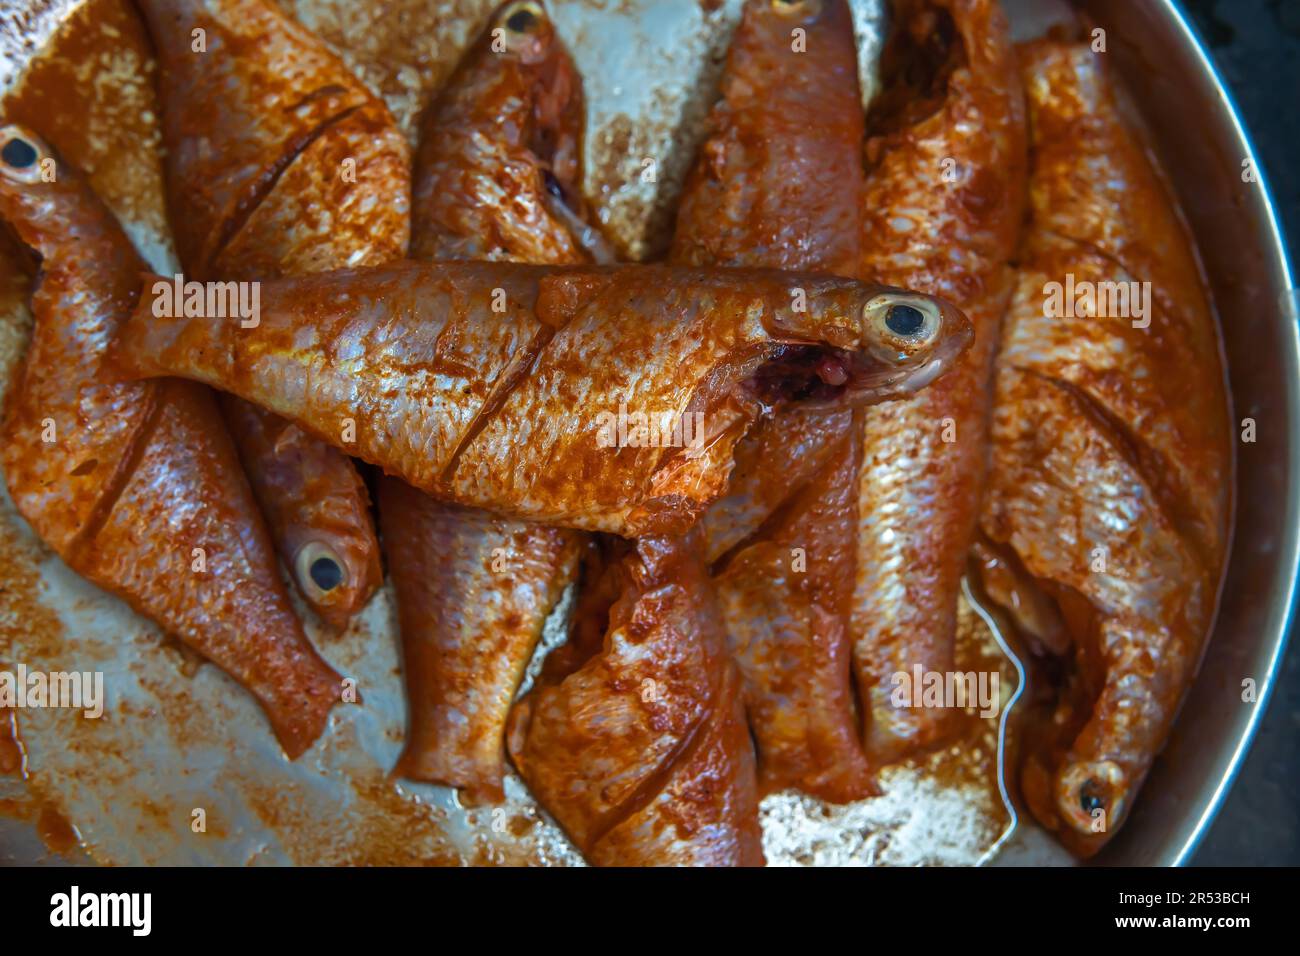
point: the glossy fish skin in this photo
(785, 600)
(256, 129)
(927, 455)
(474, 590)
(261, 130)
(641, 752)
(778, 184)
(141, 474)
(774, 461)
(443, 390)
(497, 171)
(1111, 470)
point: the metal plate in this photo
(180, 737)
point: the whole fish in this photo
(1111, 475)
(496, 169)
(280, 162)
(641, 752)
(600, 398)
(944, 205)
(136, 484)
(778, 184)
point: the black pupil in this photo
(18, 153)
(520, 21)
(326, 573)
(904, 320)
(552, 184)
(1089, 800)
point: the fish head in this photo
(526, 71)
(768, 23)
(39, 197)
(915, 337)
(874, 343)
(548, 90)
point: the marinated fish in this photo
(495, 178)
(473, 591)
(136, 485)
(641, 752)
(1111, 457)
(280, 162)
(498, 171)
(600, 398)
(778, 184)
(946, 159)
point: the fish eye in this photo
(21, 155)
(1085, 788)
(1089, 797)
(523, 17)
(908, 322)
(319, 569)
(552, 184)
(806, 9)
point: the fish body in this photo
(778, 184)
(942, 214)
(136, 485)
(508, 387)
(280, 162)
(1111, 473)
(785, 600)
(473, 589)
(641, 751)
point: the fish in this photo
(280, 162)
(641, 751)
(601, 398)
(473, 592)
(496, 177)
(943, 212)
(517, 115)
(778, 183)
(136, 484)
(1109, 493)
(498, 169)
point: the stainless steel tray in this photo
(178, 738)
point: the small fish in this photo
(136, 485)
(1112, 471)
(778, 184)
(640, 752)
(498, 156)
(497, 173)
(280, 162)
(942, 214)
(517, 388)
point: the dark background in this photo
(1257, 46)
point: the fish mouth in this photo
(823, 375)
